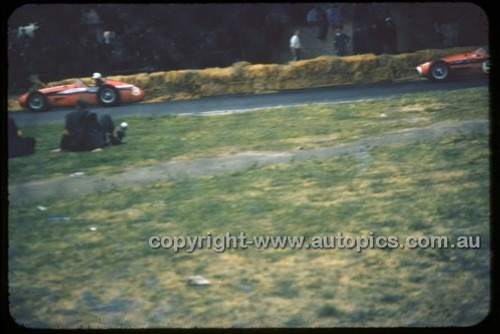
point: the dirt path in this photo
(38, 191)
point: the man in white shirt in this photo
(295, 45)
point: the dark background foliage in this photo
(156, 37)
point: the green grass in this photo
(63, 274)
(156, 139)
(97, 270)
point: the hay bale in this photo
(245, 78)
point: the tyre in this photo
(486, 66)
(108, 96)
(37, 101)
(439, 71)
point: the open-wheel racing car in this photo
(109, 93)
(441, 69)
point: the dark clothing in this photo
(84, 131)
(388, 37)
(296, 54)
(376, 38)
(340, 43)
(19, 145)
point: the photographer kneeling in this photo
(84, 131)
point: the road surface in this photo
(247, 102)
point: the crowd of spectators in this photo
(406, 27)
(62, 40)
(57, 41)
(324, 17)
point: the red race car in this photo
(108, 93)
(439, 70)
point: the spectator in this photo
(20, 32)
(108, 36)
(340, 42)
(295, 46)
(28, 30)
(19, 145)
(449, 34)
(92, 26)
(334, 16)
(312, 16)
(84, 131)
(388, 36)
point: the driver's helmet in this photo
(96, 76)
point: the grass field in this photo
(154, 139)
(97, 270)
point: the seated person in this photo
(97, 79)
(84, 131)
(18, 144)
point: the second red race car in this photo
(441, 69)
(108, 93)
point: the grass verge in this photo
(97, 270)
(155, 139)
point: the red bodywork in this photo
(110, 93)
(475, 61)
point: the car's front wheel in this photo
(486, 66)
(439, 71)
(108, 96)
(37, 101)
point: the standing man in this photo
(295, 46)
(388, 36)
(340, 41)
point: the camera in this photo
(121, 132)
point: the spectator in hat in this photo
(340, 42)
(388, 36)
(85, 131)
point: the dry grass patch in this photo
(423, 107)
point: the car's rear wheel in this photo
(486, 66)
(439, 71)
(108, 96)
(37, 101)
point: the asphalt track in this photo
(235, 103)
